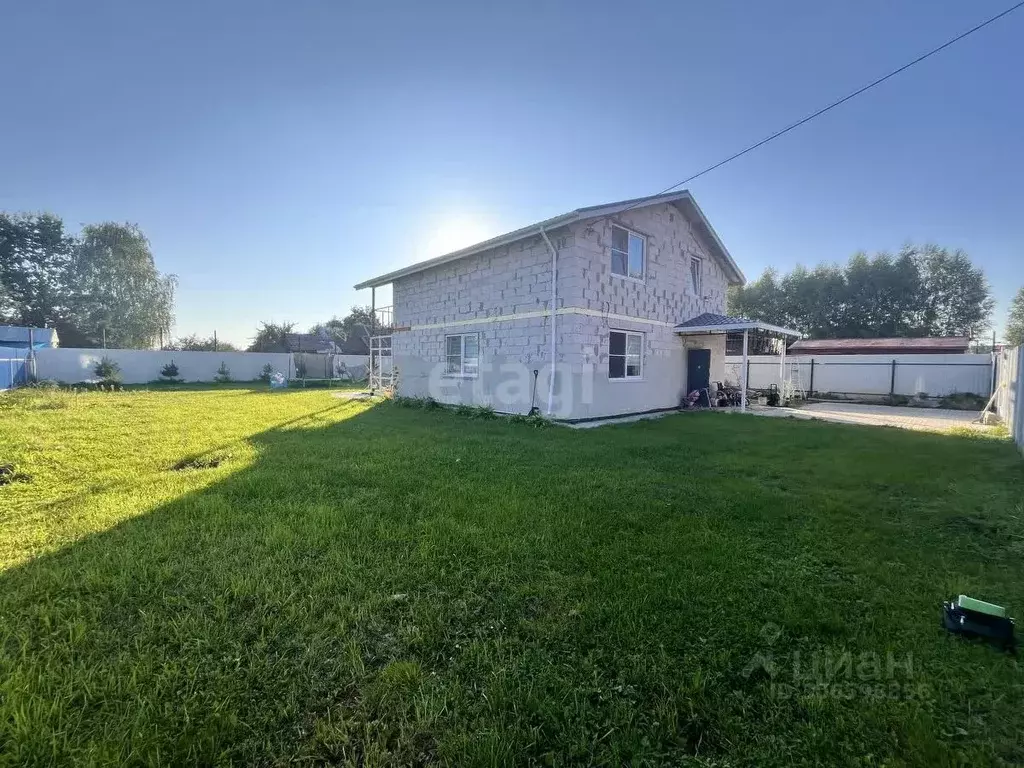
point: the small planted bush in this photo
(108, 372)
(169, 373)
(536, 420)
(223, 375)
(484, 412)
(266, 373)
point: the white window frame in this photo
(474, 367)
(612, 250)
(698, 289)
(626, 356)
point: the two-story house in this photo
(608, 310)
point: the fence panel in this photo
(140, 366)
(12, 367)
(1010, 392)
(934, 375)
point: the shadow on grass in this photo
(409, 586)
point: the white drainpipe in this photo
(554, 301)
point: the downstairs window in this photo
(625, 355)
(462, 354)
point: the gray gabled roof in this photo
(709, 322)
(683, 197)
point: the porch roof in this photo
(712, 323)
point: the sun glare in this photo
(455, 233)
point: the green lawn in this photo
(375, 585)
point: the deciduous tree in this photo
(1015, 322)
(36, 256)
(926, 291)
(119, 292)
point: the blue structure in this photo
(12, 367)
(20, 337)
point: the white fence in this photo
(139, 366)
(875, 375)
(1010, 392)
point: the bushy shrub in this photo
(536, 420)
(108, 371)
(223, 374)
(266, 373)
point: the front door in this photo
(698, 369)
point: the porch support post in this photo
(743, 375)
(369, 341)
(782, 370)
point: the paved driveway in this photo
(923, 419)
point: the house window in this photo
(628, 253)
(462, 354)
(695, 275)
(625, 355)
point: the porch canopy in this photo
(709, 323)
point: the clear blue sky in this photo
(277, 153)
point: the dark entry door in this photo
(698, 369)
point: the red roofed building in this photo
(929, 345)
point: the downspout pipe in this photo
(554, 304)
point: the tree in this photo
(35, 270)
(1015, 322)
(196, 343)
(270, 337)
(119, 293)
(351, 333)
(925, 291)
(957, 299)
(762, 299)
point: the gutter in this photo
(554, 303)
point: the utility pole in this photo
(104, 337)
(215, 341)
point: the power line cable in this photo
(831, 106)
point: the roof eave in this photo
(734, 275)
(754, 325)
(486, 245)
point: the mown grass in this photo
(333, 581)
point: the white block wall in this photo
(666, 294)
(505, 294)
(935, 375)
(139, 366)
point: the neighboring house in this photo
(929, 345)
(314, 343)
(629, 275)
(21, 337)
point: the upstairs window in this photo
(695, 276)
(625, 355)
(462, 354)
(628, 253)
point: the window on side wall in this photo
(462, 354)
(629, 250)
(625, 355)
(695, 275)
